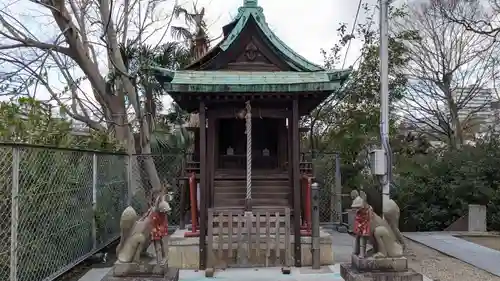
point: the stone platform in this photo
(184, 252)
(378, 269)
(147, 271)
(171, 274)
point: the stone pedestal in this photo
(142, 272)
(477, 218)
(380, 269)
(184, 251)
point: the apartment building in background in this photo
(476, 107)
(479, 112)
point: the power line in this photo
(358, 59)
(352, 31)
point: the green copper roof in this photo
(250, 3)
(249, 9)
(250, 81)
(249, 77)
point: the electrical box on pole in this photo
(378, 162)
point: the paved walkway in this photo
(342, 244)
(471, 253)
(331, 273)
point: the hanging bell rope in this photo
(248, 118)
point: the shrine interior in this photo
(232, 143)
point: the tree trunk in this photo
(456, 125)
(150, 167)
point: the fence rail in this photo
(58, 207)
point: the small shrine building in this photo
(249, 93)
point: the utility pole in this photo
(384, 96)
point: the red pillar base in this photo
(305, 232)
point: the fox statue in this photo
(383, 232)
(137, 233)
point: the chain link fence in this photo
(327, 172)
(167, 167)
(60, 206)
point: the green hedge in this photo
(434, 190)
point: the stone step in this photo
(256, 183)
(271, 202)
(255, 189)
(261, 194)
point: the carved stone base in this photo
(350, 273)
(142, 272)
(380, 264)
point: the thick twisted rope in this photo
(248, 117)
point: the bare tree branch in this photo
(449, 69)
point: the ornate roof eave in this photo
(286, 81)
(280, 78)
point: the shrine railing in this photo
(256, 239)
(192, 165)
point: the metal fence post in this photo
(94, 200)
(315, 226)
(14, 214)
(129, 180)
(338, 190)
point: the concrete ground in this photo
(342, 249)
(342, 244)
(444, 257)
(261, 274)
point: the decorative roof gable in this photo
(252, 13)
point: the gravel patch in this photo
(440, 267)
(492, 242)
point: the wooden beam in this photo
(211, 158)
(203, 187)
(289, 153)
(308, 101)
(230, 111)
(294, 125)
